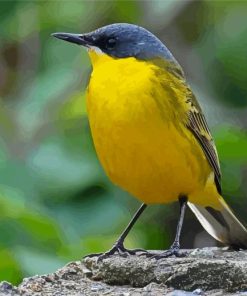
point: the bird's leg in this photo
(175, 247)
(118, 247)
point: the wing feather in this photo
(196, 122)
(198, 126)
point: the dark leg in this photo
(118, 247)
(175, 247)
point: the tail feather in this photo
(222, 224)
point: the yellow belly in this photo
(140, 145)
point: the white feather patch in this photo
(96, 49)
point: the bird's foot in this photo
(173, 251)
(118, 248)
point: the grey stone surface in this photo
(208, 271)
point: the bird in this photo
(150, 133)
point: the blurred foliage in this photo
(55, 202)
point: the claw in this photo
(168, 253)
(92, 255)
(119, 249)
(173, 251)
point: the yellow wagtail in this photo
(150, 133)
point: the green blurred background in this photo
(56, 204)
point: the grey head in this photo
(120, 41)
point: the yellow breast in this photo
(137, 119)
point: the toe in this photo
(92, 255)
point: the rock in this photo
(8, 289)
(208, 271)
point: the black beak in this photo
(80, 39)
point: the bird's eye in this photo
(110, 43)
